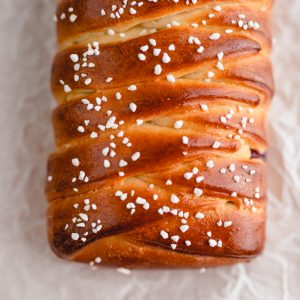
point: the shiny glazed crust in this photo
(160, 132)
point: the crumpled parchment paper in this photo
(28, 268)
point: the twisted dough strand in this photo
(160, 132)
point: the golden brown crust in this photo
(160, 132)
(89, 18)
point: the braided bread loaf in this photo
(160, 132)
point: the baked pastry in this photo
(160, 132)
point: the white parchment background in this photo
(28, 268)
